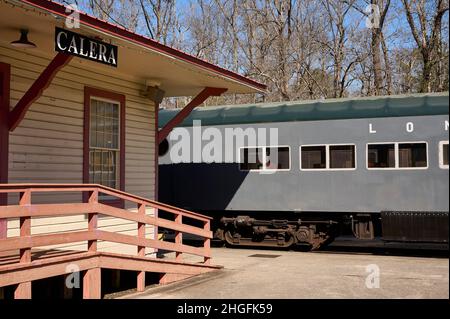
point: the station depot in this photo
(78, 143)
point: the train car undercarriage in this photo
(247, 231)
(318, 230)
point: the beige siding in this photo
(47, 147)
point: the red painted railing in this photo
(25, 210)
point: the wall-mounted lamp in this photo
(23, 41)
(152, 91)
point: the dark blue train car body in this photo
(367, 166)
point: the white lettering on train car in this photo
(371, 130)
(446, 125)
(409, 127)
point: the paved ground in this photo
(295, 274)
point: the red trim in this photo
(156, 165)
(94, 92)
(35, 91)
(104, 26)
(5, 76)
(196, 101)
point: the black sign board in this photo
(76, 44)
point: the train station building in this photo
(78, 107)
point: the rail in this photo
(25, 210)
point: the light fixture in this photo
(23, 41)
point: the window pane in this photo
(103, 168)
(313, 157)
(251, 158)
(100, 139)
(412, 155)
(109, 141)
(445, 153)
(109, 110)
(278, 158)
(115, 127)
(91, 166)
(342, 156)
(381, 155)
(108, 125)
(100, 108)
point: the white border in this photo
(441, 154)
(396, 153)
(327, 158)
(264, 169)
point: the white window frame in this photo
(396, 156)
(441, 154)
(264, 159)
(327, 158)
(118, 149)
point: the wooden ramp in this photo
(24, 259)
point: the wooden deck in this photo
(22, 259)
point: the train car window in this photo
(313, 157)
(381, 156)
(412, 155)
(278, 157)
(443, 154)
(342, 156)
(251, 159)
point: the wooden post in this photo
(92, 284)
(179, 238)
(207, 244)
(141, 249)
(93, 220)
(23, 290)
(92, 277)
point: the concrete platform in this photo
(328, 274)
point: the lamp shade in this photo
(23, 41)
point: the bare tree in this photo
(301, 49)
(425, 21)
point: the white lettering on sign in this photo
(102, 53)
(112, 58)
(92, 49)
(73, 47)
(409, 127)
(58, 42)
(371, 130)
(82, 52)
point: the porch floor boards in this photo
(53, 262)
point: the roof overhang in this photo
(140, 58)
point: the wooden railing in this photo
(25, 210)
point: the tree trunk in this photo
(387, 66)
(425, 83)
(376, 60)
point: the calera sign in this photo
(83, 47)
